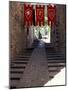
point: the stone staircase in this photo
(18, 66)
(35, 43)
(57, 40)
(56, 61)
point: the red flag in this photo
(28, 14)
(51, 11)
(39, 15)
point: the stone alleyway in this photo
(35, 60)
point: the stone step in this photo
(27, 53)
(12, 87)
(15, 78)
(15, 75)
(56, 61)
(56, 64)
(56, 58)
(55, 68)
(51, 77)
(22, 56)
(51, 52)
(52, 68)
(17, 65)
(13, 84)
(53, 73)
(22, 59)
(16, 70)
(55, 55)
(20, 62)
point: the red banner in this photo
(51, 11)
(28, 14)
(39, 15)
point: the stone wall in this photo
(61, 26)
(16, 28)
(18, 34)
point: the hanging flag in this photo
(39, 14)
(51, 12)
(28, 14)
